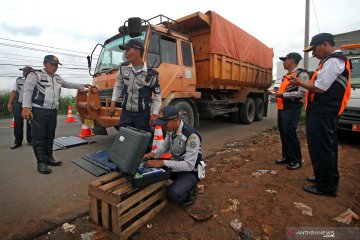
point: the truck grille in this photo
(349, 117)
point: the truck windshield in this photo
(112, 56)
(355, 73)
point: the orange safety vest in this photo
(311, 95)
(284, 84)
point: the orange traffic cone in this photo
(85, 131)
(70, 116)
(158, 140)
(12, 123)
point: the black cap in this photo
(166, 114)
(51, 59)
(296, 56)
(26, 68)
(133, 43)
(317, 39)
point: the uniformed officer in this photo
(289, 103)
(135, 83)
(328, 93)
(184, 143)
(40, 103)
(14, 105)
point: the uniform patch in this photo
(58, 80)
(180, 142)
(192, 137)
(126, 73)
(143, 78)
(193, 144)
(43, 77)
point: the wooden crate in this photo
(118, 209)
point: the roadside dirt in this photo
(264, 204)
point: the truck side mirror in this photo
(135, 27)
(123, 29)
(89, 61)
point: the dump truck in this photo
(350, 119)
(207, 67)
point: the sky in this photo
(80, 25)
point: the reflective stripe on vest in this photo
(340, 79)
(284, 84)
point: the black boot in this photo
(191, 198)
(49, 156)
(39, 152)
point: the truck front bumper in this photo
(350, 119)
(90, 107)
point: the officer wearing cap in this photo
(327, 95)
(184, 143)
(289, 103)
(40, 104)
(14, 105)
(135, 83)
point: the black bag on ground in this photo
(127, 152)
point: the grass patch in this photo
(64, 103)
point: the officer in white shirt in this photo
(184, 143)
(14, 105)
(327, 95)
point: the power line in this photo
(39, 45)
(30, 60)
(40, 50)
(18, 55)
(21, 65)
(316, 18)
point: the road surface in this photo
(32, 203)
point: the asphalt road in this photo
(32, 203)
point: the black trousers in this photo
(183, 182)
(19, 124)
(43, 126)
(139, 120)
(288, 120)
(321, 134)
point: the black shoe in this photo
(49, 156)
(15, 146)
(39, 152)
(314, 190)
(311, 179)
(43, 168)
(284, 160)
(293, 166)
(191, 198)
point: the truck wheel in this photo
(235, 116)
(247, 111)
(259, 109)
(186, 112)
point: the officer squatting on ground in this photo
(328, 93)
(289, 103)
(15, 106)
(40, 104)
(184, 143)
(135, 83)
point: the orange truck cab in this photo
(203, 71)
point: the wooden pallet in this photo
(118, 209)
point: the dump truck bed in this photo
(226, 56)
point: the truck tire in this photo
(186, 112)
(259, 109)
(247, 111)
(235, 116)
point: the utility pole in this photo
(307, 21)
